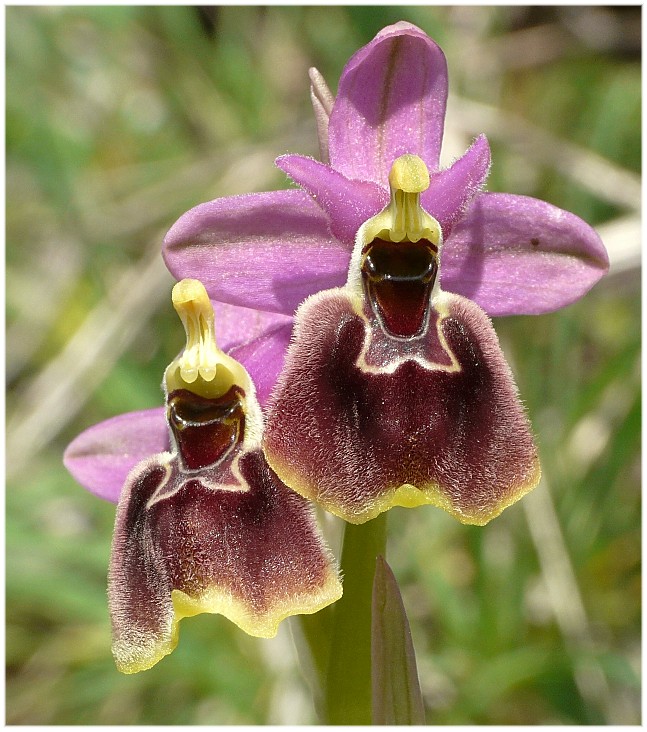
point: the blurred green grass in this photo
(118, 120)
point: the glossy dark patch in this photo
(206, 429)
(398, 279)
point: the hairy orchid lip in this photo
(453, 435)
(252, 554)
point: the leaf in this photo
(397, 698)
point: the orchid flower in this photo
(207, 526)
(396, 393)
(394, 390)
(102, 456)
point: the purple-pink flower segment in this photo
(510, 254)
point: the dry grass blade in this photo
(59, 391)
(566, 601)
(607, 181)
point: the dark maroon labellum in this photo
(398, 279)
(206, 429)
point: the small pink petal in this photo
(101, 457)
(236, 326)
(264, 356)
(391, 101)
(515, 255)
(263, 250)
(451, 191)
(348, 203)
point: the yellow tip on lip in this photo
(150, 649)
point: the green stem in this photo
(348, 684)
(311, 635)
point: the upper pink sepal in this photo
(390, 101)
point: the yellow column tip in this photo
(409, 174)
(188, 290)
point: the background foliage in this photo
(121, 118)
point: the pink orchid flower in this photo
(393, 389)
(261, 254)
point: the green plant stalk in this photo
(348, 683)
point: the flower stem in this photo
(348, 684)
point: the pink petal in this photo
(236, 326)
(101, 457)
(451, 191)
(264, 356)
(263, 250)
(515, 255)
(348, 203)
(391, 100)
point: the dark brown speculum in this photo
(206, 429)
(398, 279)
